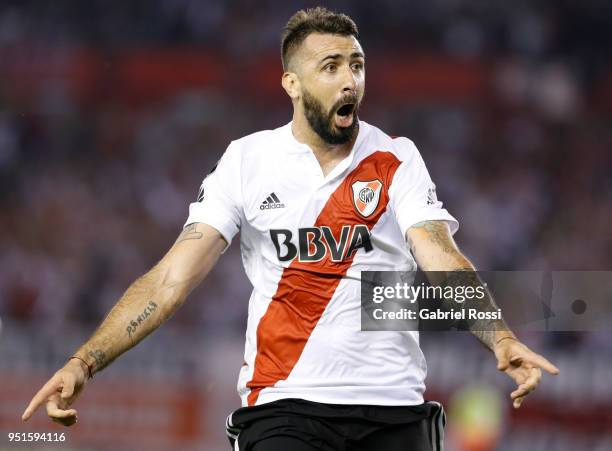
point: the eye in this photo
(357, 66)
(331, 67)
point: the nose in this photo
(349, 82)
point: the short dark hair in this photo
(313, 20)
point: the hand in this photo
(523, 365)
(59, 393)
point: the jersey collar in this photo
(297, 147)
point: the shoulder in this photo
(402, 147)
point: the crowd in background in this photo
(92, 193)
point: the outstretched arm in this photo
(434, 249)
(147, 303)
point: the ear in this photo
(291, 84)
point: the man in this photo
(316, 201)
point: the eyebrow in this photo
(336, 56)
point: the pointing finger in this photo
(47, 390)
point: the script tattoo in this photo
(190, 233)
(136, 322)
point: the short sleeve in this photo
(219, 202)
(413, 194)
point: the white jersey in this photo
(305, 238)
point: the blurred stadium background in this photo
(111, 113)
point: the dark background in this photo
(111, 113)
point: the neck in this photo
(303, 132)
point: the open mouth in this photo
(346, 110)
(344, 115)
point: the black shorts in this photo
(299, 425)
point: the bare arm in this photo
(147, 303)
(434, 249)
(155, 296)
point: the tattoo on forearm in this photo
(483, 329)
(190, 233)
(136, 322)
(437, 234)
(486, 337)
(462, 274)
(99, 358)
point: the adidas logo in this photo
(271, 202)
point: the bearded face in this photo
(336, 125)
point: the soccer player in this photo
(317, 201)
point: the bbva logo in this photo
(315, 243)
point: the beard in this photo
(323, 123)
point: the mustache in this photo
(349, 98)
